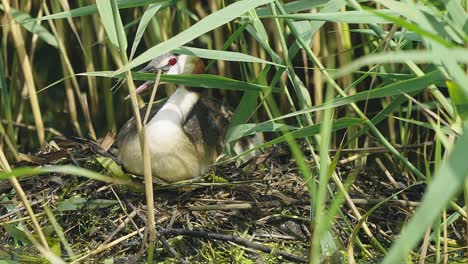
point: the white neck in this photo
(177, 107)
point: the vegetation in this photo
(364, 106)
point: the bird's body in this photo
(185, 134)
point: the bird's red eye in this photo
(172, 61)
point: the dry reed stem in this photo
(105, 247)
(68, 69)
(27, 73)
(141, 128)
(87, 58)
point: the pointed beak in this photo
(146, 85)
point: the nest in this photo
(229, 215)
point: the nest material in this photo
(268, 206)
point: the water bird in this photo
(185, 134)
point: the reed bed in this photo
(363, 105)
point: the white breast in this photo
(174, 157)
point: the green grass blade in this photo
(349, 17)
(304, 132)
(417, 29)
(243, 130)
(422, 20)
(222, 55)
(295, 6)
(460, 55)
(108, 20)
(145, 19)
(30, 25)
(447, 181)
(407, 86)
(5, 99)
(66, 169)
(205, 25)
(92, 9)
(192, 80)
(398, 35)
(315, 129)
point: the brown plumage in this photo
(185, 134)
(205, 126)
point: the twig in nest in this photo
(97, 149)
(237, 240)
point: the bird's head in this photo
(171, 64)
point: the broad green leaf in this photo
(416, 28)
(257, 24)
(91, 9)
(447, 181)
(331, 7)
(295, 6)
(459, 55)
(112, 167)
(457, 16)
(72, 204)
(30, 25)
(203, 26)
(145, 19)
(350, 17)
(192, 80)
(100, 203)
(111, 22)
(314, 130)
(398, 35)
(421, 20)
(221, 55)
(65, 169)
(243, 130)
(459, 99)
(16, 233)
(407, 86)
(247, 106)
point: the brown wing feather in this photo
(207, 123)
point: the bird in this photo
(185, 134)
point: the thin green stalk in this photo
(88, 56)
(141, 128)
(59, 231)
(413, 67)
(106, 84)
(324, 146)
(296, 152)
(278, 60)
(302, 94)
(332, 82)
(5, 101)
